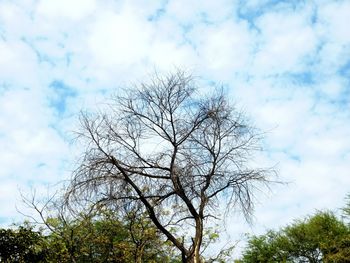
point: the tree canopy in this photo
(22, 244)
(164, 147)
(99, 238)
(318, 238)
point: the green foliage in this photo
(340, 251)
(105, 238)
(265, 247)
(98, 238)
(22, 245)
(318, 238)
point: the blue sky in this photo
(285, 63)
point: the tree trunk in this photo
(195, 256)
(193, 259)
(139, 253)
(198, 240)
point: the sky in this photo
(286, 64)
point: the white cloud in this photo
(285, 40)
(333, 87)
(25, 124)
(124, 43)
(74, 10)
(188, 13)
(226, 46)
(119, 40)
(334, 19)
(17, 59)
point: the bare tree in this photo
(174, 152)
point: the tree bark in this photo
(139, 253)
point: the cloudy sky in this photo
(285, 63)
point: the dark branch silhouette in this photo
(175, 153)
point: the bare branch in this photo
(161, 146)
